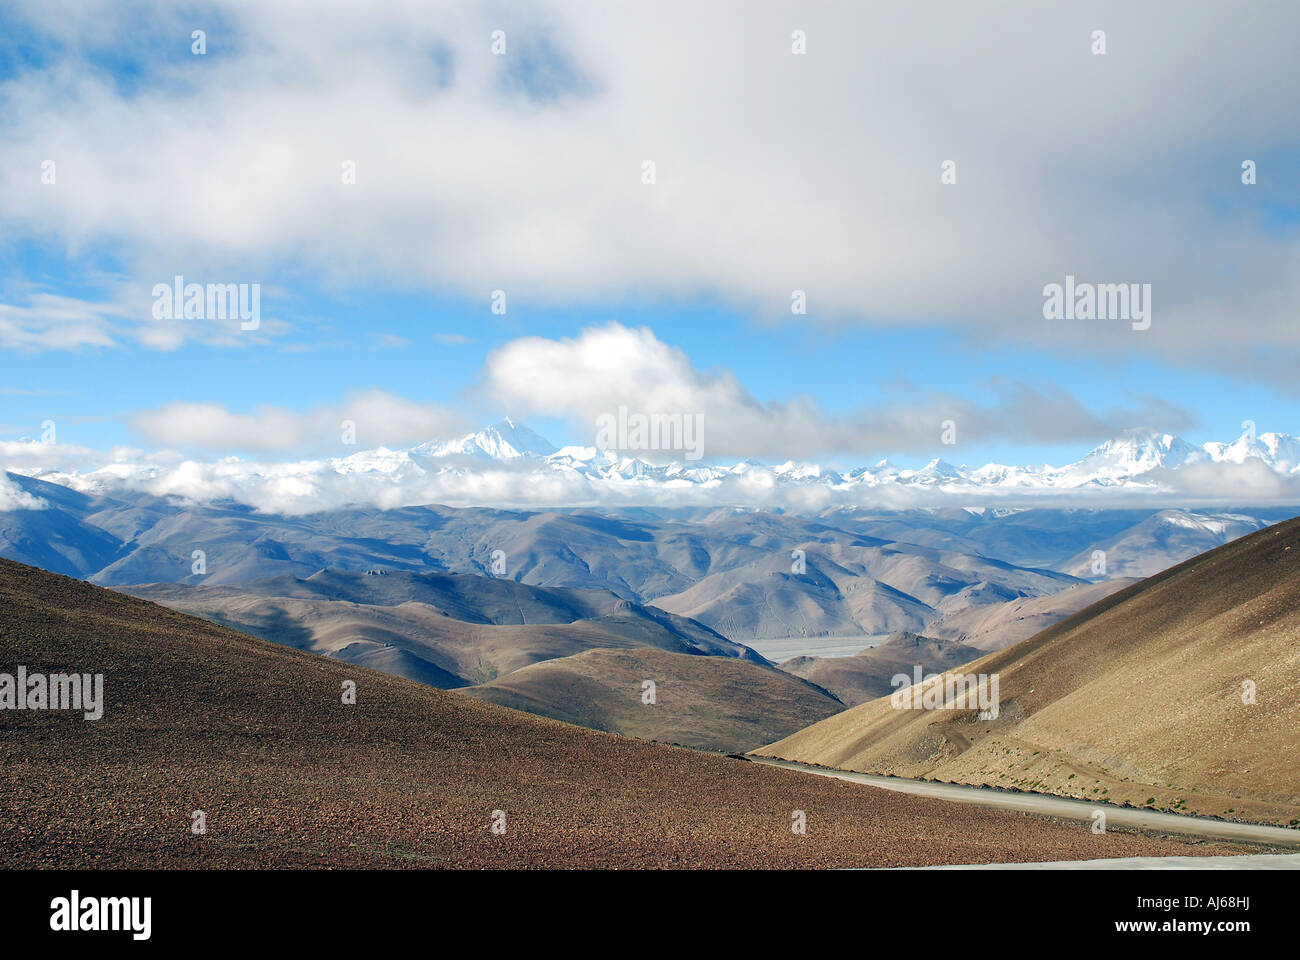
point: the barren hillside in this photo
(1137, 699)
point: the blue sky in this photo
(522, 172)
(338, 342)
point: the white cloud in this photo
(13, 497)
(30, 457)
(376, 417)
(775, 172)
(1231, 483)
(614, 366)
(49, 322)
(580, 378)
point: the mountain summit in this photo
(506, 440)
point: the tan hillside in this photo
(254, 734)
(711, 703)
(1136, 698)
(996, 626)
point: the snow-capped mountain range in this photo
(1124, 460)
(510, 464)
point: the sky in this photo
(450, 217)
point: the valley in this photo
(287, 773)
(466, 598)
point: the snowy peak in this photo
(940, 470)
(1140, 451)
(506, 440)
(1278, 450)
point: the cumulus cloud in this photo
(775, 172)
(366, 418)
(580, 378)
(605, 368)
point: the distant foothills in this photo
(510, 465)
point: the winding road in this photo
(1061, 807)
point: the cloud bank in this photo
(366, 418)
(773, 171)
(613, 366)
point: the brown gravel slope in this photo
(709, 703)
(198, 717)
(1137, 699)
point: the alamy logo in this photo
(950, 691)
(74, 913)
(651, 431)
(212, 301)
(58, 691)
(1098, 301)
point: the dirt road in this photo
(1060, 807)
